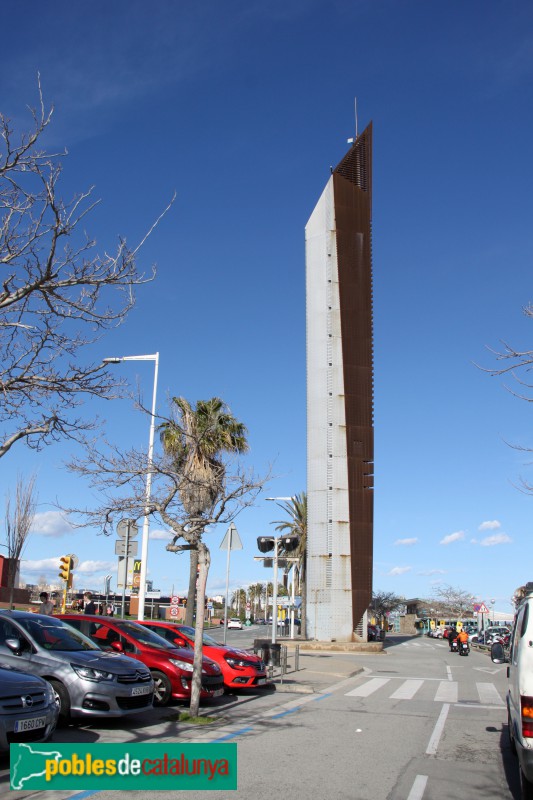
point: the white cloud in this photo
(90, 567)
(41, 565)
(453, 537)
(399, 570)
(430, 572)
(51, 523)
(160, 534)
(406, 542)
(490, 525)
(497, 538)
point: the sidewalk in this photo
(317, 669)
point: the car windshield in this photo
(190, 633)
(144, 635)
(53, 634)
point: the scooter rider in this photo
(462, 637)
(452, 636)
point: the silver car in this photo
(28, 708)
(87, 681)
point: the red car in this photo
(171, 667)
(241, 670)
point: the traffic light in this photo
(289, 543)
(65, 565)
(265, 544)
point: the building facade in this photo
(340, 433)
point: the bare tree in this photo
(120, 478)
(18, 521)
(385, 602)
(455, 601)
(57, 295)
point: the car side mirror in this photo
(15, 645)
(180, 642)
(497, 653)
(118, 646)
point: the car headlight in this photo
(184, 665)
(90, 674)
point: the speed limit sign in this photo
(174, 600)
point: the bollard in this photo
(297, 658)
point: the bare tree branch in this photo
(57, 294)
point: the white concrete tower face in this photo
(340, 436)
(329, 601)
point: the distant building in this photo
(340, 433)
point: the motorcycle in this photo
(464, 649)
(453, 646)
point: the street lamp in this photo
(492, 601)
(148, 490)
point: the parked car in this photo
(235, 622)
(171, 667)
(260, 621)
(520, 690)
(87, 682)
(28, 708)
(240, 669)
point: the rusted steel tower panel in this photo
(340, 440)
(352, 187)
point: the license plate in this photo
(218, 692)
(29, 724)
(141, 690)
(261, 681)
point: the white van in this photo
(520, 690)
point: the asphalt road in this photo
(417, 723)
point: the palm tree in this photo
(195, 439)
(296, 525)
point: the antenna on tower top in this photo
(351, 140)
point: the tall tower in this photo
(340, 433)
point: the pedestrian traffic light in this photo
(265, 544)
(65, 565)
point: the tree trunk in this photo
(193, 576)
(204, 559)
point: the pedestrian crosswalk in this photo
(441, 691)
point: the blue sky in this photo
(241, 108)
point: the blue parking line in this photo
(321, 697)
(284, 713)
(232, 735)
(83, 795)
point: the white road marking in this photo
(447, 692)
(418, 788)
(368, 688)
(407, 690)
(437, 731)
(488, 694)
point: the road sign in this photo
(122, 528)
(483, 609)
(120, 548)
(173, 611)
(232, 538)
(174, 600)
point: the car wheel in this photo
(526, 788)
(63, 698)
(162, 688)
